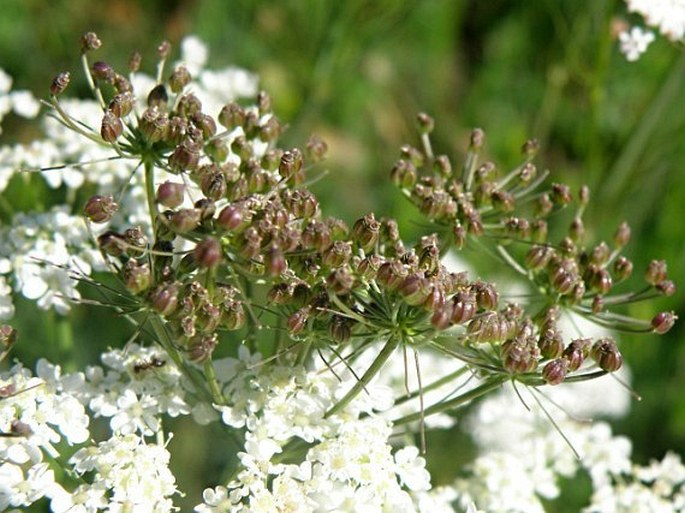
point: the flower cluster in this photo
(667, 16)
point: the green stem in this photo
(373, 369)
(483, 389)
(65, 341)
(150, 192)
(214, 387)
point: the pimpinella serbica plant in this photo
(237, 244)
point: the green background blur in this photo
(356, 72)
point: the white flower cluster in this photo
(35, 414)
(39, 253)
(21, 102)
(126, 474)
(523, 456)
(667, 16)
(348, 462)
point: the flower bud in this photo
(551, 343)
(136, 241)
(136, 276)
(538, 257)
(530, 148)
(340, 281)
(365, 232)
(185, 220)
(90, 42)
(340, 328)
(121, 84)
(622, 235)
(442, 316)
(316, 149)
(231, 116)
(164, 298)
(102, 71)
(233, 316)
(607, 355)
(185, 157)
(656, 272)
(207, 253)
(158, 97)
(164, 49)
(112, 243)
(555, 371)
(233, 217)
(8, 336)
(487, 327)
(121, 105)
(297, 321)
(100, 209)
(317, 236)
(477, 139)
(60, 83)
(487, 296)
(188, 106)
(666, 287)
(519, 355)
(577, 230)
(291, 163)
(576, 352)
(403, 174)
(425, 123)
(112, 127)
(464, 306)
(134, 62)
(213, 185)
(201, 347)
(663, 322)
(623, 268)
(338, 254)
(601, 282)
(561, 194)
(415, 289)
(179, 78)
(207, 208)
(275, 261)
(170, 194)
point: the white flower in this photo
(6, 304)
(666, 15)
(634, 43)
(21, 102)
(411, 469)
(194, 54)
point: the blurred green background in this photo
(356, 72)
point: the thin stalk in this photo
(483, 389)
(212, 382)
(431, 386)
(374, 368)
(150, 191)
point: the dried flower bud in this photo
(164, 49)
(316, 149)
(425, 123)
(233, 217)
(391, 274)
(656, 272)
(201, 347)
(666, 287)
(275, 261)
(185, 220)
(136, 276)
(233, 317)
(340, 329)
(121, 84)
(442, 316)
(188, 106)
(551, 343)
(90, 42)
(102, 71)
(170, 194)
(136, 241)
(403, 174)
(112, 243)
(487, 296)
(601, 282)
(584, 195)
(561, 194)
(179, 78)
(121, 105)
(365, 232)
(134, 62)
(207, 208)
(164, 299)
(576, 352)
(341, 281)
(60, 83)
(186, 156)
(477, 139)
(663, 322)
(538, 257)
(338, 254)
(622, 235)
(555, 371)
(577, 230)
(213, 185)
(100, 209)
(519, 355)
(207, 253)
(112, 127)
(158, 97)
(297, 321)
(607, 355)
(291, 163)
(464, 306)
(231, 116)
(544, 205)
(530, 148)
(8, 336)
(415, 289)
(623, 268)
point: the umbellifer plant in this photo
(293, 329)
